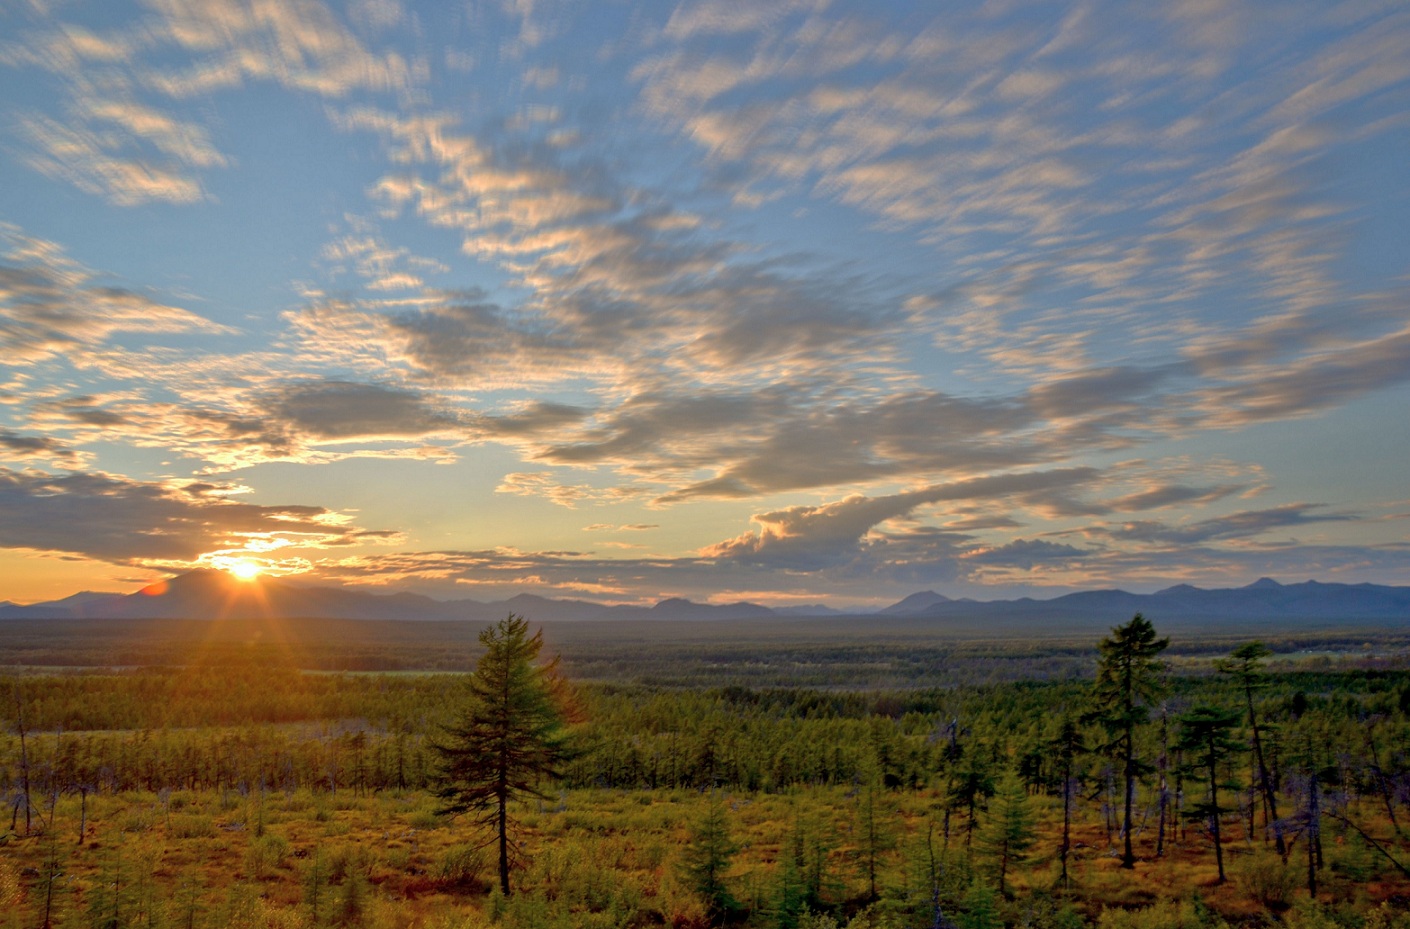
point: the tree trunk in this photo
(503, 826)
(24, 761)
(1128, 857)
(1270, 801)
(1066, 824)
(1314, 819)
(1164, 786)
(1214, 811)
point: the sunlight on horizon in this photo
(244, 569)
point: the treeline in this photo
(281, 730)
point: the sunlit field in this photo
(230, 793)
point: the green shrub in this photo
(460, 866)
(425, 819)
(1167, 914)
(1266, 879)
(265, 855)
(191, 826)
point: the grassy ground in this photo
(611, 858)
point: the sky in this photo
(793, 302)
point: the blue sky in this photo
(793, 302)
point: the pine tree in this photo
(1206, 736)
(1066, 749)
(1008, 830)
(873, 829)
(510, 736)
(1245, 665)
(707, 857)
(1128, 678)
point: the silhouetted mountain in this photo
(915, 603)
(542, 609)
(211, 594)
(676, 608)
(1262, 601)
(809, 609)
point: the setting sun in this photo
(245, 570)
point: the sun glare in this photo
(244, 570)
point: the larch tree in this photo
(707, 856)
(1128, 679)
(1245, 666)
(510, 736)
(1008, 831)
(1066, 749)
(1206, 738)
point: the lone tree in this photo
(510, 736)
(1128, 679)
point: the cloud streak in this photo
(111, 518)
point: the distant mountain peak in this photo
(213, 594)
(915, 603)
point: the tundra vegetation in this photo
(1115, 784)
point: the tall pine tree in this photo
(1207, 741)
(1245, 666)
(510, 736)
(1128, 679)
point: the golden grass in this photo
(593, 856)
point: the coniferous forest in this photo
(1125, 781)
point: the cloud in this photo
(614, 271)
(83, 410)
(50, 305)
(341, 411)
(807, 537)
(96, 162)
(1307, 385)
(236, 426)
(1160, 189)
(1025, 554)
(17, 447)
(1234, 526)
(534, 419)
(543, 484)
(904, 434)
(300, 45)
(382, 266)
(116, 519)
(120, 137)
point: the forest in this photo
(811, 780)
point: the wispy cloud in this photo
(120, 137)
(17, 447)
(51, 305)
(544, 484)
(111, 518)
(813, 537)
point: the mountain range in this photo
(214, 594)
